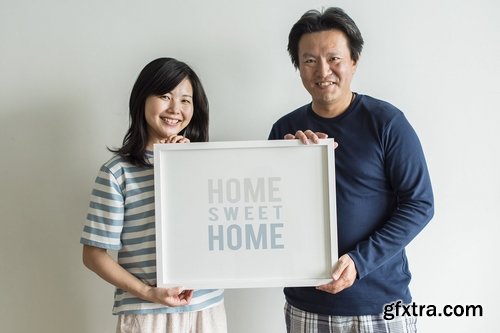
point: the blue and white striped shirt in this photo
(121, 217)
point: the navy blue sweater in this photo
(384, 199)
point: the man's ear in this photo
(355, 63)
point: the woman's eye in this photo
(165, 97)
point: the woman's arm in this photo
(99, 261)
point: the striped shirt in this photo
(121, 216)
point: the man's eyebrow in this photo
(307, 54)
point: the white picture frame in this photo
(245, 214)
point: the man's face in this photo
(326, 67)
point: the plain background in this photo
(66, 71)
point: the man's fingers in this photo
(332, 287)
(339, 267)
(311, 136)
(306, 136)
(301, 136)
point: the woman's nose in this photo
(174, 106)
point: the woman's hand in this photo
(176, 139)
(170, 296)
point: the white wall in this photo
(66, 70)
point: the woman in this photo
(167, 105)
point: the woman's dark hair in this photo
(315, 21)
(159, 77)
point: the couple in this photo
(384, 194)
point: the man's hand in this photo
(344, 273)
(308, 136)
(303, 136)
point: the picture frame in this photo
(245, 214)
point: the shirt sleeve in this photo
(407, 173)
(104, 223)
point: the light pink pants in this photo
(211, 320)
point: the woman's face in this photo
(168, 114)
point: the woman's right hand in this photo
(170, 296)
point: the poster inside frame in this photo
(245, 214)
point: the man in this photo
(384, 194)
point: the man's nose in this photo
(324, 68)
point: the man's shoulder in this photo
(377, 103)
(379, 108)
(295, 114)
(290, 122)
